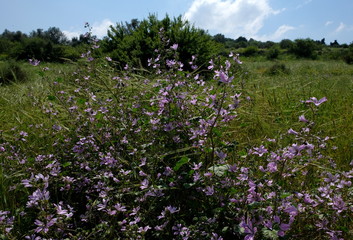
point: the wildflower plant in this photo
(147, 156)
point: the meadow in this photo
(254, 149)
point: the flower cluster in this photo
(148, 157)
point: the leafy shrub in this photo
(250, 51)
(134, 43)
(305, 48)
(148, 158)
(277, 68)
(348, 56)
(273, 53)
(12, 72)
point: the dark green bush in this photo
(250, 51)
(348, 56)
(273, 53)
(12, 72)
(134, 43)
(305, 48)
(277, 68)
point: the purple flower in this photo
(293, 211)
(45, 226)
(209, 190)
(120, 207)
(272, 167)
(144, 184)
(291, 131)
(143, 229)
(303, 119)
(221, 155)
(174, 46)
(216, 237)
(338, 204)
(168, 171)
(249, 230)
(34, 62)
(224, 77)
(259, 151)
(211, 65)
(315, 101)
(172, 209)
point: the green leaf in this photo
(181, 162)
(217, 132)
(219, 170)
(81, 101)
(284, 195)
(66, 164)
(51, 98)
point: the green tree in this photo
(219, 38)
(273, 52)
(305, 48)
(286, 44)
(135, 42)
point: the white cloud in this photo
(230, 17)
(340, 27)
(99, 29)
(328, 23)
(303, 4)
(278, 35)
(71, 35)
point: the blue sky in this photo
(263, 20)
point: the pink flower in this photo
(224, 77)
(34, 62)
(315, 101)
(174, 46)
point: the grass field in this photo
(276, 100)
(86, 142)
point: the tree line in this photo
(135, 42)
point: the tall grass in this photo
(275, 101)
(100, 153)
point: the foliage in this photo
(250, 51)
(12, 72)
(134, 43)
(305, 48)
(277, 68)
(50, 45)
(348, 56)
(134, 157)
(273, 53)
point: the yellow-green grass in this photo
(275, 103)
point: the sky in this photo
(263, 20)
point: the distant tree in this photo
(348, 55)
(267, 44)
(253, 42)
(250, 51)
(286, 44)
(323, 41)
(334, 44)
(273, 52)
(17, 36)
(241, 39)
(305, 48)
(241, 42)
(219, 38)
(37, 33)
(5, 46)
(55, 35)
(135, 42)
